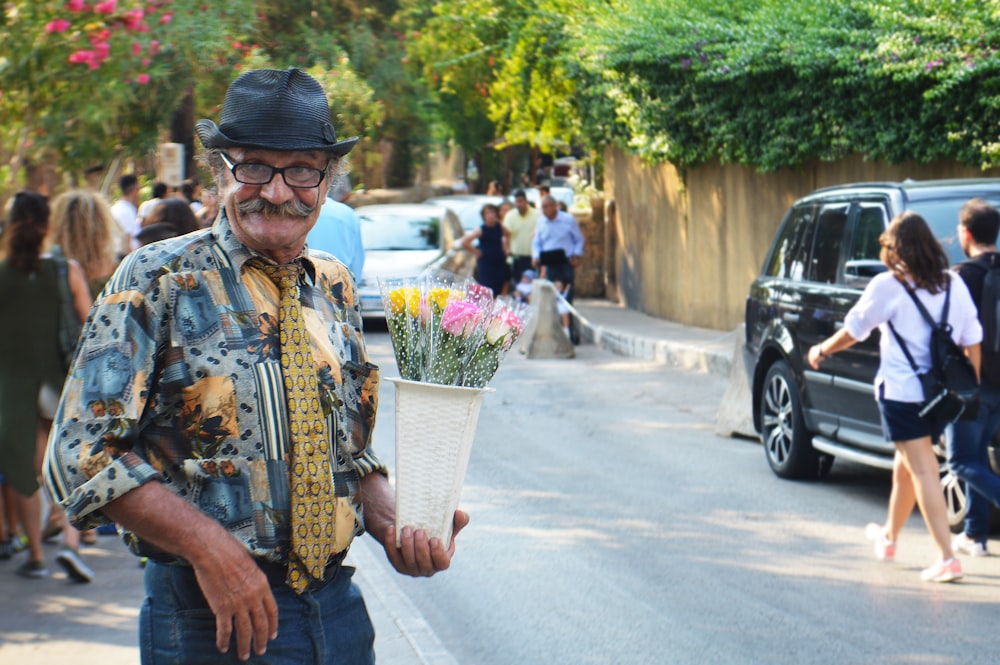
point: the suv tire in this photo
(787, 442)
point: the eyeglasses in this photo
(251, 173)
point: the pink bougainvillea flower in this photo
(101, 51)
(57, 25)
(154, 47)
(145, 62)
(460, 318)
(75, 5)
(133, 19)
(166, 18)
(136, 49)
(81, 57)
(142, 79)
(106, 7)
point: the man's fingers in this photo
(261, 629)
(271, 610)
(223, 632)
(244, 634)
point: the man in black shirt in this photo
(978, 225)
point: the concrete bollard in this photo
(543, 336)
(735, 414)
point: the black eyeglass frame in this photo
(274, 169)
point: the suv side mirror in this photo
(862, 270)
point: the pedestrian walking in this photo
(491, 249)
(31, 368)
(223, 416)
(917, 268)
(978, 224)
(521, 222)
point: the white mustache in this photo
(293, 208)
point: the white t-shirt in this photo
(886, 300)
(125, 213)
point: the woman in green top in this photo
(31, 369)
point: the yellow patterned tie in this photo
(312, 500)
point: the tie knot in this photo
(286, 276)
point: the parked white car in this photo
(403, 240)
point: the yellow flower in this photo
(407, 297)
(439, 298)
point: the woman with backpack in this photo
(917, 275)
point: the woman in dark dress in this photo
(493, 250)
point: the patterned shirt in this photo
(178, 380)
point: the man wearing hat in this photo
(221, 404)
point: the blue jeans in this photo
(968, 459)
(329, 625)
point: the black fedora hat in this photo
(273, 109)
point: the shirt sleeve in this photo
(577, 236)
(536, 240)
(91, 458)
(875, 307)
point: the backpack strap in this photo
(906, 350)
(927, 317)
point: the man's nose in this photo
(277, 191)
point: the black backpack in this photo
(951, 388)
(989, 314)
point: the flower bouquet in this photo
(449, 337)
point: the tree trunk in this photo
(182, 131)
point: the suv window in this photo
(791, 252)
(830, 229)
(863, 260)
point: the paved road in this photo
(610, 525)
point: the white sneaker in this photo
(965, 545)
(74, 566)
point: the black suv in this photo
(825, 252)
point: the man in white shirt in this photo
(521, 221)
(125, 211)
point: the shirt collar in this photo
(239, 253)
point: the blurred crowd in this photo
(55, 257)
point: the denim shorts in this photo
(901, 421)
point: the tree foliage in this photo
(772, 83)
(83, 83)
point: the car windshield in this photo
(942, 216)
(401, 232)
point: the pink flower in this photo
(154, 47)
(145, 62)
(101, 51)
(57, 25)
(133, 19)
(166, 18)
(81, 57)
(136, 49)
(106, 7)
(460, 318)
(142, 79)
(75, 5)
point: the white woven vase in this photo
(435, 427)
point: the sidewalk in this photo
(628, 332)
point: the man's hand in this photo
(574, 261)
(417, 555)
(235, 588)
(239, 595)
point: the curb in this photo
(686, 357)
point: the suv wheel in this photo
(787, 443)
(955, 498)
